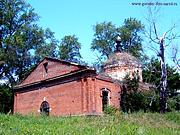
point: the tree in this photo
(6, 99)
(20, 37)
(104, 38)
(131, 98)
(131, 36)
(48, 46)
(22, 44)
(176, 57)
(153, 36)
(69, 49)
(14, 21)
(152, 74)
(106, 33)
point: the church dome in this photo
(121, 64)
(122, 59)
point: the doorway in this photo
(105, 99)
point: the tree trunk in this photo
(163, 82)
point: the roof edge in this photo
(50, 79)
(54, 59)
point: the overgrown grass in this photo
(120, 124)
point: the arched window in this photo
(44, 108)
(105, 98)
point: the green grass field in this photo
(121, 124)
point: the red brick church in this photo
(57, 87)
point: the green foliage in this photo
(137, 101)
(6, 99)
(177, 101)
(106, 33)
(69, 49)
(104, 38)
(173, 81)
(171, 104)
(48, 46)
(22, 42)
(132, 83)
(124, 124)
(152, 74)
(134, 102)
(131, 99)
(154, 103)
(111, 110)
(130, 35)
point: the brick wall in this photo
(64, 99)
(54, 69)
(81, 96)
(114, 91)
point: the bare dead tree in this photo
(175, 58)
(153, 35)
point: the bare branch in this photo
(170, 39)
(155, 30)
(149, 36)
(154, 49)
(170, 30)
(152, 40)
(153, 36)
(175, 57)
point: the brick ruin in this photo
(59, 88)
(56, 87)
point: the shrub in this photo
(171, 104)
(138, 100)
(177, 101)
(6, 99)
(154, 103)
(111, 110)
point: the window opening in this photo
(46, 68)
(44, 108)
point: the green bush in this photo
(111, 110)
(134, 102)
(177, 101)
(6, 99)
(171, 104)
(154, 104)
(138, 100)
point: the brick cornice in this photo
(70, 76)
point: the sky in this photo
(77, 17)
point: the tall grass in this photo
(120, 124)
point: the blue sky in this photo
(77, 17)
